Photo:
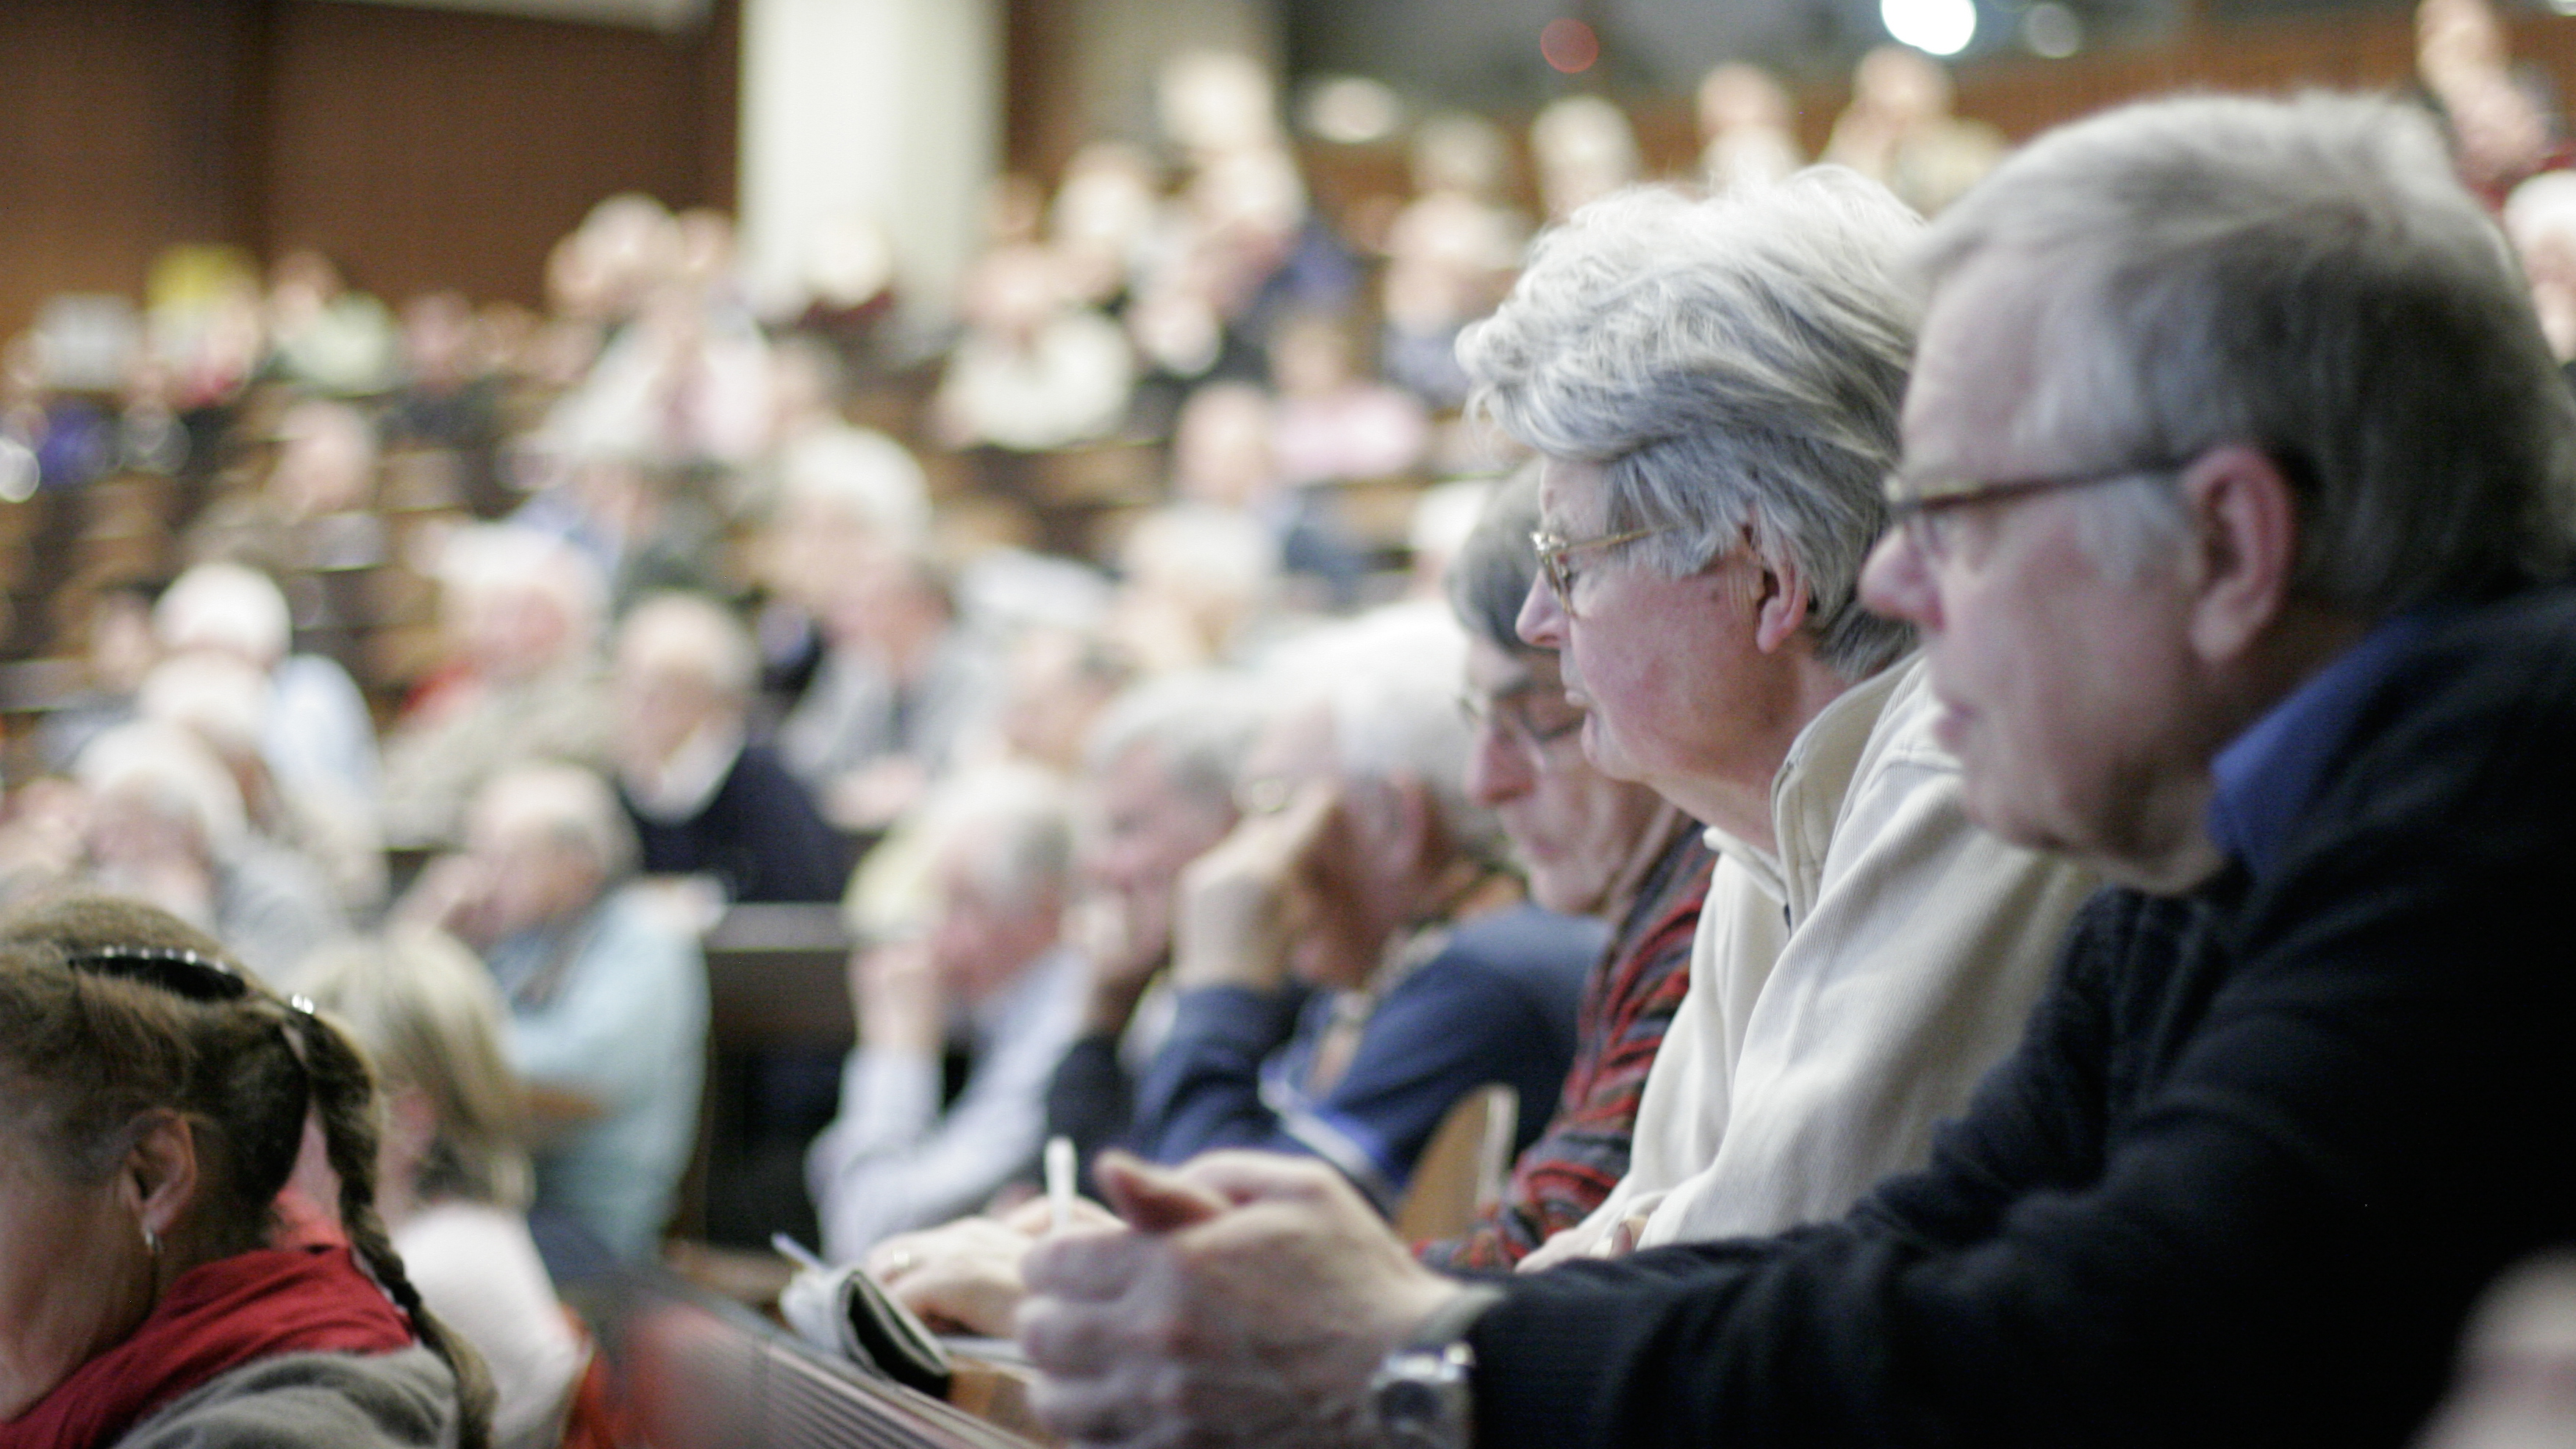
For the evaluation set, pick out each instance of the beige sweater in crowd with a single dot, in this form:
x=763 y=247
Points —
x=1846 y=992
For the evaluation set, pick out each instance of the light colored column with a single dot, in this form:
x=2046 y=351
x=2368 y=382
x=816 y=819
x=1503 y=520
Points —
x=888 y=108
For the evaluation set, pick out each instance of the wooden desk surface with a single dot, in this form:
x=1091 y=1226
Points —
x=701 y=1373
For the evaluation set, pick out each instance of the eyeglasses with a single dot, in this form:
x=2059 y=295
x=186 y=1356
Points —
x=1508 y=712
x=1554 y=547
x=179 y=972
x=1928 y=513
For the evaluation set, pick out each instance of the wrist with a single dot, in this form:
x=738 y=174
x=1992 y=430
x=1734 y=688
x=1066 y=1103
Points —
x=1423 y=1393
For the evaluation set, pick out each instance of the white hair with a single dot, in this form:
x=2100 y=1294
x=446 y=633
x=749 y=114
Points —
x=223 y=699
x=693 y=636
x=225 y=606
x=1198 y=723
x=859 y=474
x=171 y=771
x=1735 y=366
x=485 y=559
x=570 y=804
x=1389 y=680
x=1011 y=825
x=2307 y=277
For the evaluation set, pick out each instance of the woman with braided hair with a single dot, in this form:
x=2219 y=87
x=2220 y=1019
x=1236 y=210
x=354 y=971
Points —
x=152 y=1100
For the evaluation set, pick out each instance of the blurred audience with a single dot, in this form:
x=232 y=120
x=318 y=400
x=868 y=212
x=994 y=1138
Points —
x=452 y=1173
x=164 y=822
x=522 y=614
x=607 y=994
x=989 y=984
x=704 y=800
x=1349 y=962
x=901 y=685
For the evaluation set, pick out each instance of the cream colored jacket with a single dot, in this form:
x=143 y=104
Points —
x=1847 y=992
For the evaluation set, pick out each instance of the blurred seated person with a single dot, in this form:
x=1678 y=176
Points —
x=165 y=824
x=323 y=334
x=224 y=703
x=143 y=1301
x=607 y=997
x=1332 y=423
x=1196 y=587
x=311 y=523
x=1899 y=131
x=1589 y=845
x=1057 y=681
x=1226 y=455
x=521 y=613
x=1163 y=763
x=900 y=685
x=702 y=798
x=989 y=980
x=1746 y=131
x=117 y=649
x=1035 y=370
x=1349 y=962
x=452 y=1174
x=449 y=397
x=843 y=494
x=635 y=517
x=316 y=727
x=1585 y=149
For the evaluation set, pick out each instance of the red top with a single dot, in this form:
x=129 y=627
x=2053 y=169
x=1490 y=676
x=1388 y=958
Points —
x=214 y=1319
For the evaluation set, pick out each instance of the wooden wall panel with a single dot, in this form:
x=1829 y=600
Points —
x=420 y=148
x=123 y=127
x=429 y=148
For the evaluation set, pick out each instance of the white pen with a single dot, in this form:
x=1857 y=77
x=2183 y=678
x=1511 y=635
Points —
x=1059 y=1183
x=797 y=1253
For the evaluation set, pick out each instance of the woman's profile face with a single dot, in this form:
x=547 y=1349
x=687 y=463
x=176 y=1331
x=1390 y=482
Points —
x=75 y=1276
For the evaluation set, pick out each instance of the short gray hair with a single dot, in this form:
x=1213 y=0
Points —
x=571 y=804
x=1490 y=578
x=1389 y=681
x=1014 y=826
x=1199 y=723
x=2307 y=277
x=694 y=635
x=1736 y=367
x=225 y=606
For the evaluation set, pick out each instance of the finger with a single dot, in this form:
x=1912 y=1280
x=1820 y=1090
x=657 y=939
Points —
x=979 y=1296
x=1087 y=1265
x=1072 y=1340
x=1242 y=1177
x=1152 y=1199
x=904 y=1253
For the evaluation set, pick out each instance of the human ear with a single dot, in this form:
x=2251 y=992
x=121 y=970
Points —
x=2245 y=527
x=160 y=1171
x=1780 y=602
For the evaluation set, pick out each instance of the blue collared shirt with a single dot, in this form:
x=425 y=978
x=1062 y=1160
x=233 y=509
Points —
x=2267 y=775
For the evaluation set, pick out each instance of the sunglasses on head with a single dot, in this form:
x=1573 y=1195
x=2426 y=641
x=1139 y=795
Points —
x=182 y=972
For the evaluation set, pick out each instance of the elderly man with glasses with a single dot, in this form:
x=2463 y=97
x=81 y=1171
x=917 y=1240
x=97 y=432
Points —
x=2237 y=513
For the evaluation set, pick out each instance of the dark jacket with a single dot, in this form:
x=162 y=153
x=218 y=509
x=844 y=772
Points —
x=759 y=834
x=2259 y=1152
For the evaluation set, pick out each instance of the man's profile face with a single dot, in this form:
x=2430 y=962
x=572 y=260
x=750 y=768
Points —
x=2058 y=683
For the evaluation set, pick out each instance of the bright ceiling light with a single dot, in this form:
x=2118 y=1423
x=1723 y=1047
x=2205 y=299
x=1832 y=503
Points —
x=1935 y=27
